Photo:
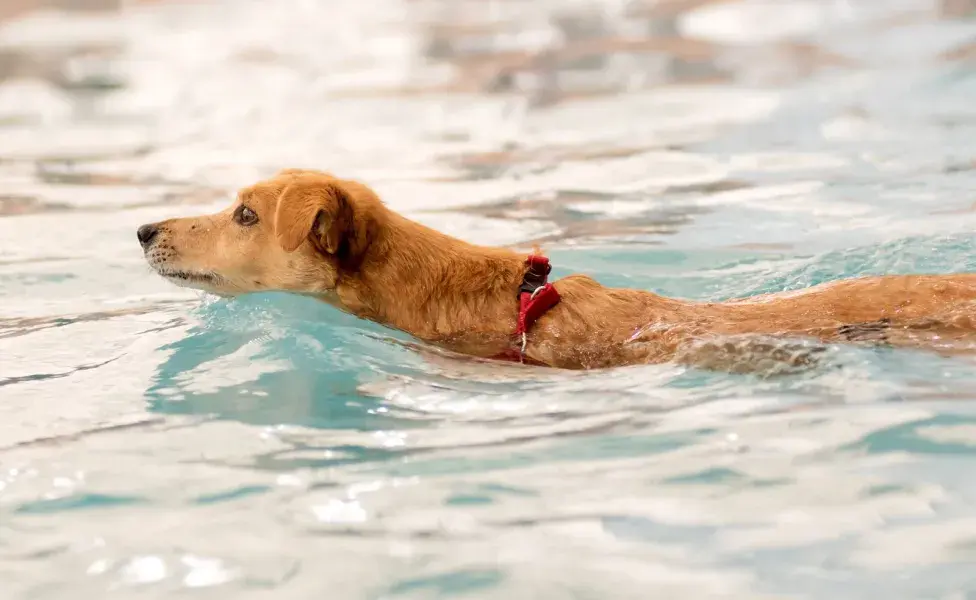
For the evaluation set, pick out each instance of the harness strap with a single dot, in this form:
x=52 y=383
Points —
x=536 y=296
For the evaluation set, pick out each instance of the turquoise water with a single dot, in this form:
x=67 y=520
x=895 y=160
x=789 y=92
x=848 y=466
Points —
x=155 y=442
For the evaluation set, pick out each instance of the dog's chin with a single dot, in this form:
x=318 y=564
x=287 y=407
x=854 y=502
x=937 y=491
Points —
x=197 y=280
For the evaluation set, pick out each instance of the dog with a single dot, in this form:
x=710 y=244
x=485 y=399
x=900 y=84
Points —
x=309 y=232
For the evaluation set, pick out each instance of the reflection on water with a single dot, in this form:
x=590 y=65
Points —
x=153 y=441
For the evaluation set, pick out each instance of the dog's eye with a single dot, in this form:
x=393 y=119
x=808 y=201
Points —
x=245 y=216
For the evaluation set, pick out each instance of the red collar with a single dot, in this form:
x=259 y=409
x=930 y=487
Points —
x=536 y=296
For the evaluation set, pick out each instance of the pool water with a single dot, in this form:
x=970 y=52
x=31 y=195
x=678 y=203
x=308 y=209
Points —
x=156 y=442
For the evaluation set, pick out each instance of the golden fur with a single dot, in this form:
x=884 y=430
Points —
x=334 y=239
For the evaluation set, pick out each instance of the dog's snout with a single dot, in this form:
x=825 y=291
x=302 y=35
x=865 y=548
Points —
x=146 y=235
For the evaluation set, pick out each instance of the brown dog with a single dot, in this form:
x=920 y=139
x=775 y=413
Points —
x=308 y=232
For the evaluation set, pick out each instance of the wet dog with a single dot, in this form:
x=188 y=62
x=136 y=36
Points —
x=311 y=233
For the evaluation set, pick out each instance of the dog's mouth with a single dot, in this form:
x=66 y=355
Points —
x=190 y=278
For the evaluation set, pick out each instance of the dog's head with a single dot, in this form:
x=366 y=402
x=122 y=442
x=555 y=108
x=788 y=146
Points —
x=294 y=232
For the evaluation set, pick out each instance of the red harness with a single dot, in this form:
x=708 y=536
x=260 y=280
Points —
x=536 y=296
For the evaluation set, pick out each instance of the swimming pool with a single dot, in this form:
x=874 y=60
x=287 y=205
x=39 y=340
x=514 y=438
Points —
x=155 y=442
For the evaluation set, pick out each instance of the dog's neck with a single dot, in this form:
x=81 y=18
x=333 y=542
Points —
x=435 y=287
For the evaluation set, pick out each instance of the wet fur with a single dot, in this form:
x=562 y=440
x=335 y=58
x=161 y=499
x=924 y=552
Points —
x=334 y=239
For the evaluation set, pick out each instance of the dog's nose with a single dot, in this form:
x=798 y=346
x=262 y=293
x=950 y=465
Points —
x=146 y=234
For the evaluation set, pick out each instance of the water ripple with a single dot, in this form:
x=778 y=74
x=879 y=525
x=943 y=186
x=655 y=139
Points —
x=155 y=442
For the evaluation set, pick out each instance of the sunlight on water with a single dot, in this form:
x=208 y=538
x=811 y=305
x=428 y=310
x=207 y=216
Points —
x=155 y=441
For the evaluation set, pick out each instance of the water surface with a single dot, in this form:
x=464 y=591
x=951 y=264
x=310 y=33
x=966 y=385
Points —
x=156 y=443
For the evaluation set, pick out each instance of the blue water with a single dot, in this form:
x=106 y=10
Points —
x=156 y=442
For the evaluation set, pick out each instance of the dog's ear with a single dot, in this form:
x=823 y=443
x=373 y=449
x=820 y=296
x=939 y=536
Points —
x=316 y=208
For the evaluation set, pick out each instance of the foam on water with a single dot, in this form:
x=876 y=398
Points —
x=155 y=441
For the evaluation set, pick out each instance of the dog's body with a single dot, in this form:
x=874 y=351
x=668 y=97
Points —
x=310 y=233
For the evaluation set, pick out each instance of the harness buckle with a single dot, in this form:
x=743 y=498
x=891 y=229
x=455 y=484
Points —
x=532 y=281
